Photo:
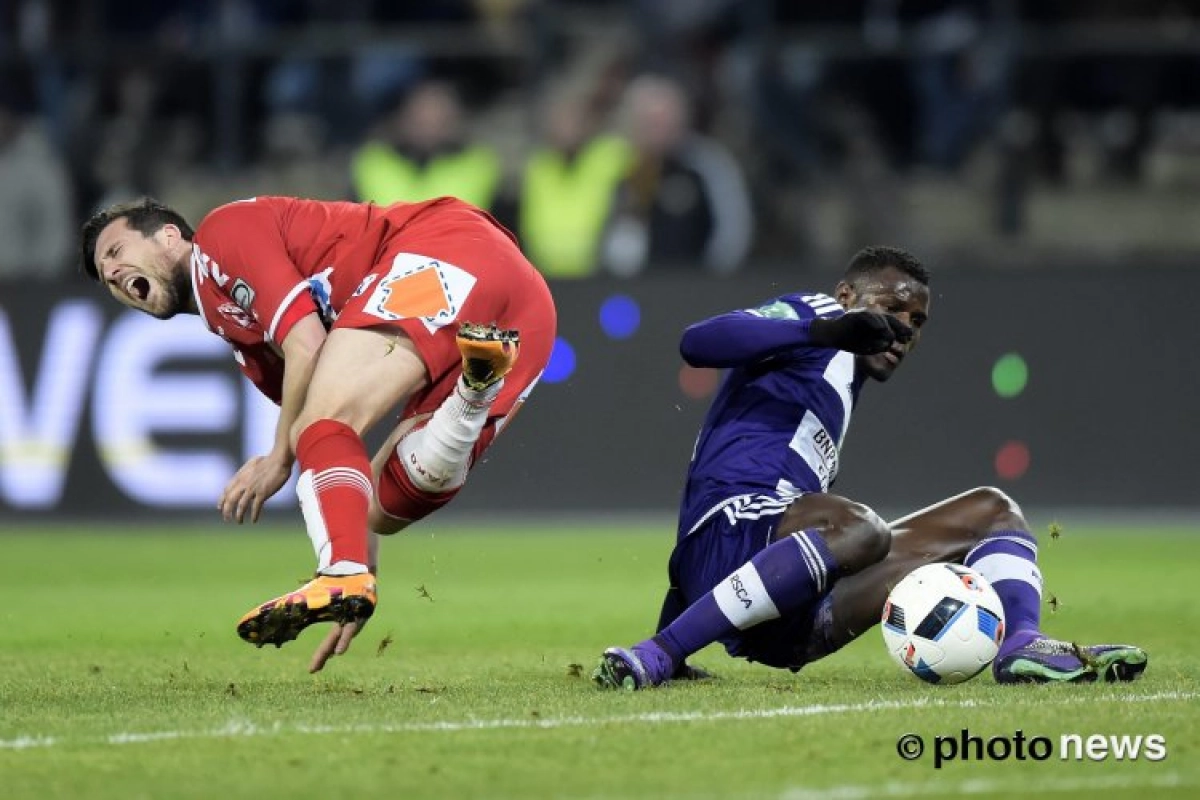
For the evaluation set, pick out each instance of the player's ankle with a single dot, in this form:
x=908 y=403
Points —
x=482 y=398
x=669 y=650
x=1015 y=640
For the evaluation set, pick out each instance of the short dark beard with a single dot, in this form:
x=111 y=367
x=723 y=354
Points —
x=178 y=292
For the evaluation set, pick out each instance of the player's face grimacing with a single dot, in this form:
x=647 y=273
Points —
x=894 y=292
x=147 y=273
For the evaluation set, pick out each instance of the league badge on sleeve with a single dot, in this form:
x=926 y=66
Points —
x=775 y=310
x=242 y=294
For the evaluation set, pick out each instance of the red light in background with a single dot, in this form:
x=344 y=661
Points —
x=1012 y=460
x=698 y=383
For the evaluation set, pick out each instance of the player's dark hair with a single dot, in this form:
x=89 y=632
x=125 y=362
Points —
x=144 y=215
x=878 y=257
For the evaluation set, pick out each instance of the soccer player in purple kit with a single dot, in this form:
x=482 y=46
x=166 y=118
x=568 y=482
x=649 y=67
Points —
x=770 y=564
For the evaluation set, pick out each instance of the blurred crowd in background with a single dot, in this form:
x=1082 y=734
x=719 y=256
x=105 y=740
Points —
x=623 y=137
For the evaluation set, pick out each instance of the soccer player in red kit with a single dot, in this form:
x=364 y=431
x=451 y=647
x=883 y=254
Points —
x=341 y=312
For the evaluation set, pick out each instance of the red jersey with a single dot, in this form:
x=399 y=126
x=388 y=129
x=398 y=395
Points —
x=261 y=265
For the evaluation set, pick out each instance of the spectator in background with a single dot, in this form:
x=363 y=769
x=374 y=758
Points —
x=705 y=43
x=180 y=173
x=35 y=199
x=115 y=154
x=959 y=68
x=296 y=161
x=420 y=151
x=568 y=187
x=684 y=199
x=293 y=161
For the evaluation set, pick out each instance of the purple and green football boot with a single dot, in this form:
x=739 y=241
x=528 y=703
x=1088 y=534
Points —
x=640 y=667
x=1044 y=660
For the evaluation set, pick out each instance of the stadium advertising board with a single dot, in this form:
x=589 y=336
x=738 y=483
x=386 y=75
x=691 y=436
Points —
x=101 y=408
x=1024 y=380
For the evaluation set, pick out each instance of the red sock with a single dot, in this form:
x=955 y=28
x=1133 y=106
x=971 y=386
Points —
x=335 y=491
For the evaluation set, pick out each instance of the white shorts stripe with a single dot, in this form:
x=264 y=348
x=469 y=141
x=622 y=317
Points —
x=752 y=513
x=744 y=506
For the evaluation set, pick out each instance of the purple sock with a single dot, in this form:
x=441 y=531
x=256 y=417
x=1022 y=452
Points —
x=1008 y=559
x=784 y=577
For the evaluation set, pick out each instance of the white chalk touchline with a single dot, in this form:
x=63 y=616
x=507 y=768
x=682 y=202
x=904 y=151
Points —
x=982 y=786
x=250 y=729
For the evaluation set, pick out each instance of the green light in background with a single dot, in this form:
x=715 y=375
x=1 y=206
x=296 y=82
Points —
x=1010 y=375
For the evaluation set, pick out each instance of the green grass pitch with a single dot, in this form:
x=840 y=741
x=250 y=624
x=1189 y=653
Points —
x=121 y=677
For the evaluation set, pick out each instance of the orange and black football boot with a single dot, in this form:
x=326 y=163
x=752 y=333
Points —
x=326 y=598
x=488 y=353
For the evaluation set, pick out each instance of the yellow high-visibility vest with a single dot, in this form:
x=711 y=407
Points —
x=565 y=205
x=384 y=176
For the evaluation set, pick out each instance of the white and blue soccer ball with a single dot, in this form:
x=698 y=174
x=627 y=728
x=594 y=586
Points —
x=943 y=623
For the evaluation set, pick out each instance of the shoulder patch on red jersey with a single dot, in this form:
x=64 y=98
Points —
x=421 y=287
x=242 y=294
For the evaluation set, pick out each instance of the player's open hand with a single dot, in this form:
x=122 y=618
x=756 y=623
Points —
x=254 y=484
x=336 y=643
x=861 y=332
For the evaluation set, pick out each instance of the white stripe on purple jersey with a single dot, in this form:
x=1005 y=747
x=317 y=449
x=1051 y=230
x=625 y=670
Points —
x=777 y=425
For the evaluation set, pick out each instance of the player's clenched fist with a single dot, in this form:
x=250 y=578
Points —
x=859 y=332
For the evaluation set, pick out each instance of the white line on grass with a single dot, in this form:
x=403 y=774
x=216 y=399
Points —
x=250 y=729
x=27 y=742
x=982 y=786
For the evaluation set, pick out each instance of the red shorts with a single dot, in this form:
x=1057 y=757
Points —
x=445 y=268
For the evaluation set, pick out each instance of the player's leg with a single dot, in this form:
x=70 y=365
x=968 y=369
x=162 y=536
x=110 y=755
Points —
x=335 y=486
x=983 y=529
x=360 y=376
x=946 y=531
x=819 y=538
x=475 y=273
x=470 y=270
x=674 y=604
x=425 y=461
x=379 y=521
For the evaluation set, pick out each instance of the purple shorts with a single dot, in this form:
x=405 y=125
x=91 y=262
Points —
x=727 y=540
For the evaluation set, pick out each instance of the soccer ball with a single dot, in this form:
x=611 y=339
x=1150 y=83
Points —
x=943 y=623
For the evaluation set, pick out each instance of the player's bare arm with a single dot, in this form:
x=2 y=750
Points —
x=261 y=477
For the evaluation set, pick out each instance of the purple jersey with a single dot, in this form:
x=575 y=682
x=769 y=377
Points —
x=776 y=427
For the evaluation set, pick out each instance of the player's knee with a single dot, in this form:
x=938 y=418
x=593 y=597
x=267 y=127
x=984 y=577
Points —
x=305 y=420
x=858 y=537
x=350 y=415
x=382 y=523
x=996 y=510
x=871 y=533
